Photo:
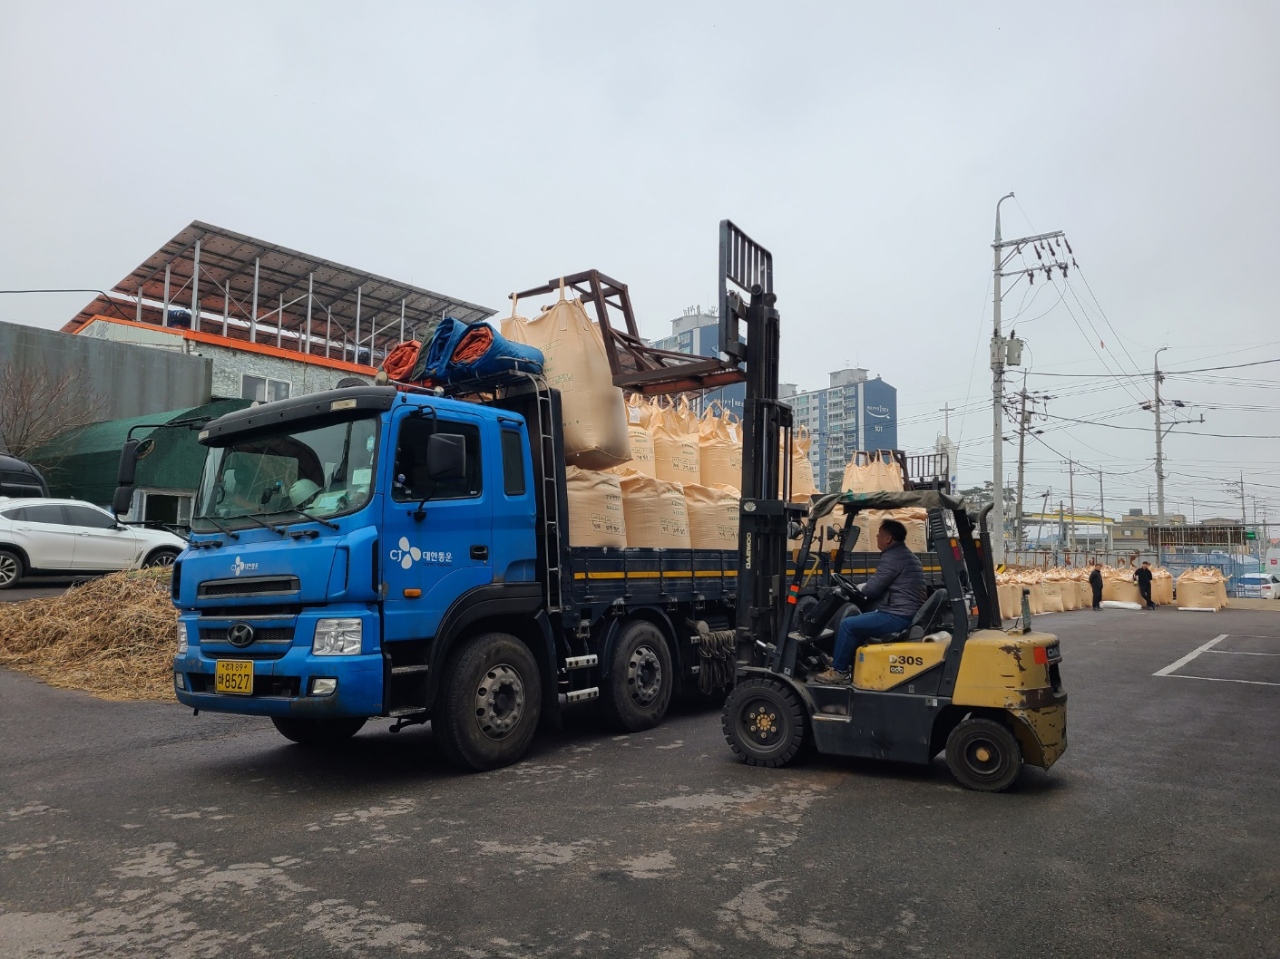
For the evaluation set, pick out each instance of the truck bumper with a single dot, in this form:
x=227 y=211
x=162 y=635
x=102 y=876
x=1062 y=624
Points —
x=285 y=686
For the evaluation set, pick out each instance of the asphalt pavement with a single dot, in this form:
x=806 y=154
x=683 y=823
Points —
x=138 y=830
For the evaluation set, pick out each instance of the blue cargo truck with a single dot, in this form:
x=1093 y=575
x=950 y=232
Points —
x=378 y=551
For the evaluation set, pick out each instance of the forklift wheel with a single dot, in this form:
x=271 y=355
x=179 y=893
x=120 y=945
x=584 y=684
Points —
x=764 y=722
x=984 y=755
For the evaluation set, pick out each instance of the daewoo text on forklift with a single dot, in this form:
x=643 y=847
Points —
x=954 y=681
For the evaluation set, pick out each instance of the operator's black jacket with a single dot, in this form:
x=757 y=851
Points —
x=1095 y=579
x=898 y=582
x=1142 y=577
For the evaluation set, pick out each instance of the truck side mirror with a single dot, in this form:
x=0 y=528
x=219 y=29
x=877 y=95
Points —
x=128 y=463
x=446 y=456
x=122 y=500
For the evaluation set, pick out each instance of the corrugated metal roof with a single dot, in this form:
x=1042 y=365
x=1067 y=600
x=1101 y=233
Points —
x=226 y=284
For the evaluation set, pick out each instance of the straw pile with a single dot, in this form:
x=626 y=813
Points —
x=113 y=637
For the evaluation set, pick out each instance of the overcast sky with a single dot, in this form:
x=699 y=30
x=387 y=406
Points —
x=478 y=148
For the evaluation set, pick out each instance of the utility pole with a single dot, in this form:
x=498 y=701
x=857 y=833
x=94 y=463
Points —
x=1157 y=377
x=1159 y=439
x=1071 y=494
x=1102 y=514
x=1009 y=351
x=1244 y=519
x=1022 y=447
x=946 y=419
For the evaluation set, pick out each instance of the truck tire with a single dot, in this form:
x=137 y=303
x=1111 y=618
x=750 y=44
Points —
x=764 y=722
x=10 y=569
x=638 y=690
x=489 y=703
x=984 y=755
x=318 y=732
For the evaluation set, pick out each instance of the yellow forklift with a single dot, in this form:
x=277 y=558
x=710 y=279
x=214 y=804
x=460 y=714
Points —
x=954 y=681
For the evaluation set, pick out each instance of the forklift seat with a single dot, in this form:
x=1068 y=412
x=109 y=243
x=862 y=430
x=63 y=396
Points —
x=922 y=623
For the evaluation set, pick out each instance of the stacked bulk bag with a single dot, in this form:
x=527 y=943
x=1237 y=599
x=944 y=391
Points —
x=1118 y=586
x=1051 y=596
x=576 y=364
x=1202 y=588
x=640 y=415
x=596 y=516
x=913 y=518
x=713 y=516
x=870 y=472
x=1162 y=586
x=657 y=516
x=676 y=451
x=719 y=449
x=802 y=484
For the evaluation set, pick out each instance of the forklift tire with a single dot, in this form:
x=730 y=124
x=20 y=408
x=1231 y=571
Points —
x=764 y=722
x=489 y=703
x=638 y=691
x=318 y=732
x=984 y=755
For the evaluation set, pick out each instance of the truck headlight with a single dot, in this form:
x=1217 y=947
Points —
x=337 y=637
x=182 y=637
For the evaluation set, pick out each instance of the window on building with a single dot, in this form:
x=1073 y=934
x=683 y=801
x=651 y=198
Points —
x=263 y=389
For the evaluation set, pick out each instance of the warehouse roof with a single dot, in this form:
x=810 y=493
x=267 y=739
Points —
x=351 y=310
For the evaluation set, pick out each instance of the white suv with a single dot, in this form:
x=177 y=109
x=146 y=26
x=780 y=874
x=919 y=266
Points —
x=1258 y=586
x=50 y=536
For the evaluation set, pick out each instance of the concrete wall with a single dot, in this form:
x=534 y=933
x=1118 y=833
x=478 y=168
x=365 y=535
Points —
x=230 y=364
x=127 y=380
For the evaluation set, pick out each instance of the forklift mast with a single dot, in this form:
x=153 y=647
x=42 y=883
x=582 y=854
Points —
x=746 y=270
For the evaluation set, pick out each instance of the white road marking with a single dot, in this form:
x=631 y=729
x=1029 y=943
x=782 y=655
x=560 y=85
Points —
x=1190 y=656
x=1238 y=652
x=1218 y=679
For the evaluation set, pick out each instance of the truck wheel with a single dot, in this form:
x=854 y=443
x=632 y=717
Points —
x=10 y=569
x=764 y=722
x=318 y=732
x=640 y=678
x=489 y=703
x=984 y=755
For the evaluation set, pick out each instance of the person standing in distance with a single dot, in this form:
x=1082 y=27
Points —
x=1095 y=584
x=898 y=589
x=1142 y=576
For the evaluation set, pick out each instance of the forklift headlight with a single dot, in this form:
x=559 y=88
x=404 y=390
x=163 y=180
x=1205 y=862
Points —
x=337 y=637
x=182 y=637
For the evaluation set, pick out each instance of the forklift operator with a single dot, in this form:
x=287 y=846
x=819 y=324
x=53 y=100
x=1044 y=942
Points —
x=898 y=589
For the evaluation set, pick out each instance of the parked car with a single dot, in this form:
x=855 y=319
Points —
x=50 y=536
x=1258 y=586
x=20 y=478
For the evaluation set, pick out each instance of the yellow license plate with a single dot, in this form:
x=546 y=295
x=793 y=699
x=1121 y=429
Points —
x=234 y=676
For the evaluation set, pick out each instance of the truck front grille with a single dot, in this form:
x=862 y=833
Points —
x=248 y=586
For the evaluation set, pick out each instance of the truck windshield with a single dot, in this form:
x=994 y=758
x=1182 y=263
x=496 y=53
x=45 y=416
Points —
x=324 y=470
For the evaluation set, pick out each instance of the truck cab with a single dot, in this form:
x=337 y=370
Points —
x=328 y=527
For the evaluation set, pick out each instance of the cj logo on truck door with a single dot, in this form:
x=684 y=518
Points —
x=406 y=555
